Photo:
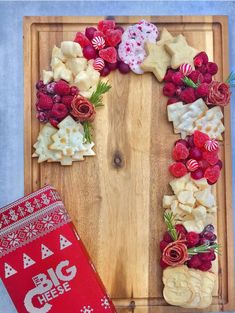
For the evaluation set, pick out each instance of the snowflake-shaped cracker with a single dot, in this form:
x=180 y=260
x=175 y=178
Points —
x=86 y=309
x=105 y=303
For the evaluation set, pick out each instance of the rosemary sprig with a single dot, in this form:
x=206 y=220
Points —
x=169 y=220
x=96 y=98
x=204 y=249
x=87 y=126
x=190 y=83
x=231 y=79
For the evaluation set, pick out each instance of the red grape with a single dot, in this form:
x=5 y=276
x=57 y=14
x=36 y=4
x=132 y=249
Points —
x=195 y=153
x=198 y=174
x=89 y=32
x=105 y=71
x=191 y=141
x=123 y=67
x=209 y=235
x=89 y=52
x=220 y=163
x=112 y=66
x=210 y=228
x=119 y=28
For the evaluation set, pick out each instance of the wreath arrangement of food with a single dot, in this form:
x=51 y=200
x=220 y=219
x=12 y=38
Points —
x=69 y=95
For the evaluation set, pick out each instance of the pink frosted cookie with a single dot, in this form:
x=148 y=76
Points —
x=131 y=50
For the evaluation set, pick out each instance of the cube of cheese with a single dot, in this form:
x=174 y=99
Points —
x=186 y=208
x=201 y=183
x=87 y=93
x=175 y=208
x=199 y=213
x=190 y=186
x=61 y=72
x=205 y=198
x=192 y=225
x=47 y=76
x=186 y=197
x=57 y=53
x=82 y=81
x=178 y=184
x=56 y=62
x=71 y=49
x=167 y=201
x=76 y=65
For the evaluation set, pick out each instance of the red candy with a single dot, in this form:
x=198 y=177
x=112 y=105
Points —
x=192 y=165
x=200 y=138
x=109 y=54
x=104 y=25
x=210 y=157
x=178 y=169
x=180 y=152
x=82 y=40
x=98 y=42
x=212 y=174
x=113 y=37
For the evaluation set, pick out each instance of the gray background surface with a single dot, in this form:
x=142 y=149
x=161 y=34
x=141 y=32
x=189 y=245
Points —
x=11 y=74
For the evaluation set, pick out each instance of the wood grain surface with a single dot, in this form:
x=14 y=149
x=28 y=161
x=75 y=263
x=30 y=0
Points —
x=115 y=198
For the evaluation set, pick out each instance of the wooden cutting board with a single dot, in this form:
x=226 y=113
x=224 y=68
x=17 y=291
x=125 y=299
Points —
x=115 y=198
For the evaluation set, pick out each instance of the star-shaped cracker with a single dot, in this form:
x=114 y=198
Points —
x=180 y=51
x=158 y=60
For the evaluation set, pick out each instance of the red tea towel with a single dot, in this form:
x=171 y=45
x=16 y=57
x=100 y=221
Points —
x=43 y=263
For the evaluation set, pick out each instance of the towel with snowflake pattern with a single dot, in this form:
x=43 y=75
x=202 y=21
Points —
x=43 y=263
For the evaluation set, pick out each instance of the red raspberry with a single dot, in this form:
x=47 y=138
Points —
x=205 y=266
x=177 y=78
x=163 y=264
x=188 y=95
x=73 y=91
x=42 y=117
x=82 y=40
x=67 y=101
x=192 y=239
x=198 y=61
x=62 y=88
x=202 y=90
x=172 y=100
x=202 y=69
x=45 y=102
x=179 y=90
x=180 y=229
x=200 y=138
x=180 y=152
x=196 y=77
x=168 y=76
x=207 y=78
x=212 y=68
x=54 y=122
x=104 y=25
x=167 y=237
x=178 y=169
x=212 y=174
x=59 y=111
x=203 y=164
x=203 y=56
x=99 y=33
x=194 y=262
x=220 y=164
x=208 y=256
x=163 y=245
x=210 y=157
x=169 y=89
